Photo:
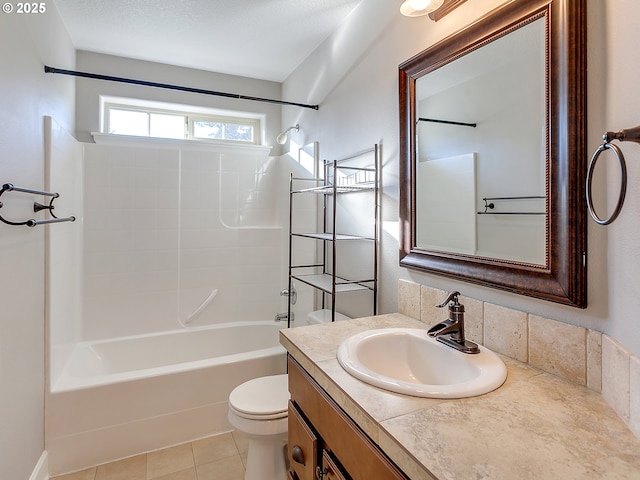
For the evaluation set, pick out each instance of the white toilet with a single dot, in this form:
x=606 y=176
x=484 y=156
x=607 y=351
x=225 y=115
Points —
x=258 y=409
x=324 y=316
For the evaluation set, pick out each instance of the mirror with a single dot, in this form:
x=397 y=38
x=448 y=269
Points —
x=492 y=127
x=481 y=151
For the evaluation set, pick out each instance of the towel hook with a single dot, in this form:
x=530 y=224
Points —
x=627 y=135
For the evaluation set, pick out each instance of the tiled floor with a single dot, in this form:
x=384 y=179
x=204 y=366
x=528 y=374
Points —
x=222 y=457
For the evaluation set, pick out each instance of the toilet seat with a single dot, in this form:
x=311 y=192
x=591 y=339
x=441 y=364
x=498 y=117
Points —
x=264 y=398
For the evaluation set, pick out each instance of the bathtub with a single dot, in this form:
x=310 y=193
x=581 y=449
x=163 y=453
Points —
x=120 y=397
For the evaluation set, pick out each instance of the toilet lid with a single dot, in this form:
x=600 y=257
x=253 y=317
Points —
x=261 y=396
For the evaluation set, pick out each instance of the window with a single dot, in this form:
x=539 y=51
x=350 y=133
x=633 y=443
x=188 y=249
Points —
x=232 y=130
x=139 y=120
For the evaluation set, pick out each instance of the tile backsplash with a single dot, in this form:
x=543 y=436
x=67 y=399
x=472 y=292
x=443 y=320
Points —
x=580 y=355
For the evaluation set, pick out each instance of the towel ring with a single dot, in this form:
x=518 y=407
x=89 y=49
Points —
x=623 y=181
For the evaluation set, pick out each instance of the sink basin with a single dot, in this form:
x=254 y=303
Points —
x=408 y=361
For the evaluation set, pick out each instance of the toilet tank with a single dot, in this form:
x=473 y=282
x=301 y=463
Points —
x=324 y=316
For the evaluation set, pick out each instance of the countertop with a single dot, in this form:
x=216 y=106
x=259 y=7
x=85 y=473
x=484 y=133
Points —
x=536 y=426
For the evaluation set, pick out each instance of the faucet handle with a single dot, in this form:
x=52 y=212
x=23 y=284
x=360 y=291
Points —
x=453 y=296
x=293 y=294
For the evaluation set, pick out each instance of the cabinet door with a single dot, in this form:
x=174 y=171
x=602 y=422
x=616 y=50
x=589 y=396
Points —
x=302 y=448
x=357 y=454
x=329 y=469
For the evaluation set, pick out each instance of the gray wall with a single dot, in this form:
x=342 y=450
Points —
x=89 y=91
x=355 y=82
x=27 y=94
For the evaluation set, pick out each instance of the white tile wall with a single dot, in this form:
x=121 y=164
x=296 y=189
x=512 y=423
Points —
x=248 y=191
x=131 y=261
x=164 y=228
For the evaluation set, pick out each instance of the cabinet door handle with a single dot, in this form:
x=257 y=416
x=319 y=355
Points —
x=298 y=455
x=320 y=473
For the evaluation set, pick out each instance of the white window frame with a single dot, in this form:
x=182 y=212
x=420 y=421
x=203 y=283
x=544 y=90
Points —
x=190 y=114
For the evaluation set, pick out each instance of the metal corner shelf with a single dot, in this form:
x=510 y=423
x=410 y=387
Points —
x=331 y=189
x=339 y=178
x=330 y=237
x=325 y=283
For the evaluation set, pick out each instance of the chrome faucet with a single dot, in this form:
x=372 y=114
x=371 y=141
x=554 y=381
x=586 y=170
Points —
x=293 y=295
x=293 y=298
x=281 y=317
x=451 y=331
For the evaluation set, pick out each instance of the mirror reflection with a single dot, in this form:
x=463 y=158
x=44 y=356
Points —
x=481 y=151
x=515 y=83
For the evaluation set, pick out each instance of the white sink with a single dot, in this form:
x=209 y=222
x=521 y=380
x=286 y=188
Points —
x=408 y=361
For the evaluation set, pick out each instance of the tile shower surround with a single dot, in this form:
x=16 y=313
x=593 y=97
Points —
x=164 y=227
x=580 y=355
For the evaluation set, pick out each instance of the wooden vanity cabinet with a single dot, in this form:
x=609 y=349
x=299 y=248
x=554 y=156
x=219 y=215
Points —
x=324 y=443
x=330 y=469
x=302 y=446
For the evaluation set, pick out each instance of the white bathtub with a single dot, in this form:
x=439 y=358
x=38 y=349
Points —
x=117 y=398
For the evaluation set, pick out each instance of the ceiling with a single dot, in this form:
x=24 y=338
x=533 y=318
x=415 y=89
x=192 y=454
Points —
x=265 y=39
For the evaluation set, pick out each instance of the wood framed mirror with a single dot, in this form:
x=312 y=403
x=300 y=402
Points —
x=511 y=167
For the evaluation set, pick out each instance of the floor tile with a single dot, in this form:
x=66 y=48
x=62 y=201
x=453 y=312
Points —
x=242 y=441
x=244 y=456
x=210 y=449
x=169 y=460
x=220 y=457
x=230 y=468
x=188 y=474
x=133 y=468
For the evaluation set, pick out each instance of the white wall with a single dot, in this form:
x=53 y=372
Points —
x=446 y=199
x=27 y=94
x=353 y=76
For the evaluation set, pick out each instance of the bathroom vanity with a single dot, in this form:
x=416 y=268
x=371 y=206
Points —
x=535 y=426
x=326 y=443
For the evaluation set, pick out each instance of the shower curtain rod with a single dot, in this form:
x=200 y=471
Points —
x=96 y=76
x=448 y=122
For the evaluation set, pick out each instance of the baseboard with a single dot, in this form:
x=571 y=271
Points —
x=41 y=471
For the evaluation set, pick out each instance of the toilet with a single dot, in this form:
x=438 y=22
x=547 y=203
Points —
x=258 y=409
x=324 y=316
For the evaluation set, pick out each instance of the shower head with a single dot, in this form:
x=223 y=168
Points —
x=282 y=138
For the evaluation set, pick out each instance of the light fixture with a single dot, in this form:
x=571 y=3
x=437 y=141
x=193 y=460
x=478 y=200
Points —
x=417 y=8
x=282 y=138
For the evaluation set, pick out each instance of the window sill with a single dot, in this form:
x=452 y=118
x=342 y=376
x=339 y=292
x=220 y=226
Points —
x=134 y=141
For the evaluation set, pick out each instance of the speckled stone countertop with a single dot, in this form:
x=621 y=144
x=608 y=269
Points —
x=536 y=426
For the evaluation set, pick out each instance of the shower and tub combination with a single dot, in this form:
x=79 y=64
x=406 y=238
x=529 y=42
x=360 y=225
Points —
x=119 y=397
x=161 y=298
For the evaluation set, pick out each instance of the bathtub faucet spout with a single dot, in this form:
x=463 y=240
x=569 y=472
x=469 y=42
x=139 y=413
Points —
x=281 y=317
